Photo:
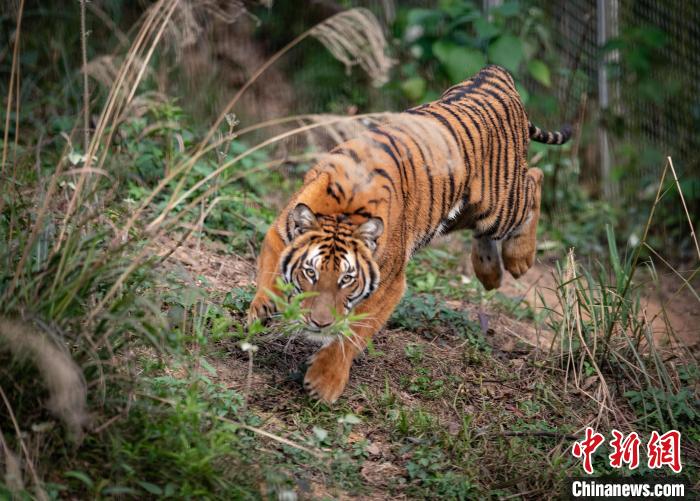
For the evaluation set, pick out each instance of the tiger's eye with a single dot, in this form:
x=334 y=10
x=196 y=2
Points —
x=346 y=280
x=310 y=273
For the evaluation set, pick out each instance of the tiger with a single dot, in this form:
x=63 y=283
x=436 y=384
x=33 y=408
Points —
x=365 y=208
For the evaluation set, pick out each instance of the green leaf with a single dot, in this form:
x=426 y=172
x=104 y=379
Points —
x=529 y=49
x=413 y=88
x=79 y=475
x=75 y=158
x=539 y=72
x=207 y=366
x=507 y=51
x=320 y=433
x=118 y=490
x=508 y=9
x=485 y=29
x=350 y=419
x=151 y=488
x=459 y=62
x=427 y=19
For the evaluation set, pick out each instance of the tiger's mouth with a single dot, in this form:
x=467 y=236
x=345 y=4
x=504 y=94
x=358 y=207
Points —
x=320 y=336
x=328 y=330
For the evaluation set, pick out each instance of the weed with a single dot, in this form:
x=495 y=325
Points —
x=428 y=315
x=414 y=352
x=84 y=287
x=432 y=471
x=81 y=257
x=603 y=327
x=656 y=407
x=238 y=299
x=424 y=384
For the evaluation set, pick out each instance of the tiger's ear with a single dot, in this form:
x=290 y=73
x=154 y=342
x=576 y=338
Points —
x=370 y=231
x=301 y=220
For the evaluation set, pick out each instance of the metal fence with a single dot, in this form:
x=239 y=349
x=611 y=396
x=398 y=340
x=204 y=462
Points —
x=643 y=94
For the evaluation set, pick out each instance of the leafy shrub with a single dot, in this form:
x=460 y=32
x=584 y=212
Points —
x=449 y=43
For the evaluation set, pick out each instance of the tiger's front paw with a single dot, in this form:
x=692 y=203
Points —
x=261 y=308
x=328 y=374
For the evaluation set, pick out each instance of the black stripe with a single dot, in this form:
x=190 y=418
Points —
x=507 y=129
x=494 y=140
x=458 y=140
x=461 y=90
x=506 y=89
x=485 y=133
x=468 y=158
x=462 y=143
x=482 y=129
x=399 y=167
x=329 y=191
x=392 y=140
x=362 y=212
x=431 y=189
x=285 y=262
x=381 y=172
x=349 y=151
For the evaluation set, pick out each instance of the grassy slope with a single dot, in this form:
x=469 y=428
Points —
x=442 y=407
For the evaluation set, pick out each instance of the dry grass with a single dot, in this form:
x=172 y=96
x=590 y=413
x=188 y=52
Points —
x=355 y=37
x=605 y=339
x=61 y=375
x=193 y=19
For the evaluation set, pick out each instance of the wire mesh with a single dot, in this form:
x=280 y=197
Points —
x=647 y=121
x=672 y=126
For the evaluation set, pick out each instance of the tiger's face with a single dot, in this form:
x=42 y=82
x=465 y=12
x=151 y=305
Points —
x=332 y=257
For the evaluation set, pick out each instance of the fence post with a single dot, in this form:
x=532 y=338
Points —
x=487 y=5
x=606 y=28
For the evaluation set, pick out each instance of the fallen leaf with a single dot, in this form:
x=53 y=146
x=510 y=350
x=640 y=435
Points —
x=355 y=437
x=380 y=473
x=373 y=449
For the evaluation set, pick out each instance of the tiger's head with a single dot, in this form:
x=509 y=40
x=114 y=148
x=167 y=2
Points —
x=331 y=256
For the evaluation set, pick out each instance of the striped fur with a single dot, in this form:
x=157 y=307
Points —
x=347 y=234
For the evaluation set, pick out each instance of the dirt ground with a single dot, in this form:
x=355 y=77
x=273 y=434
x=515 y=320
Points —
x=681 y=309
x=509 y=377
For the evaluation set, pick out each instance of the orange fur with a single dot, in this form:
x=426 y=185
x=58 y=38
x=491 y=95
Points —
x=347 y=234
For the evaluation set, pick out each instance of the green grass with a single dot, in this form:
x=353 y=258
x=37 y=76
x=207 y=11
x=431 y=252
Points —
x=107 y=273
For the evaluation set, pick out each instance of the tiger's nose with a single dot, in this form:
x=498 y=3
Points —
x=322 y=324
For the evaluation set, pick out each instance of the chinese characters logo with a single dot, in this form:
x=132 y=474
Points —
x=662 y=450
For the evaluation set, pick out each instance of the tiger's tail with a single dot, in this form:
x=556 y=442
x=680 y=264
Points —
x=549 y=137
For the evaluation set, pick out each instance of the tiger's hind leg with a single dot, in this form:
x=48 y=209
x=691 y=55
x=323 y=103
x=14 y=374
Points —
x=519 y=249
x=486 y=261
